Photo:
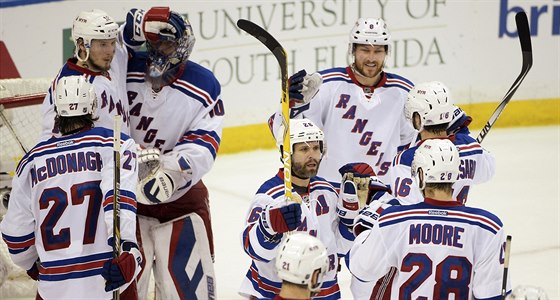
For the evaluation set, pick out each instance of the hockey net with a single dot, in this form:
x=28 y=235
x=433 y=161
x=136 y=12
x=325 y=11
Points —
x=20 y=128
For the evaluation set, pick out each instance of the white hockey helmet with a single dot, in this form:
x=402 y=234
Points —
x=301 y=131
x=90 y=25
x=74 y=96
x=369 y=31
x=299 y=256
x=527 y=292
x=432 y=101
x=438 y=160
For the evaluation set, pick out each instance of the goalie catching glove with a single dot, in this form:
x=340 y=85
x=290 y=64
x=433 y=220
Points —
x=123 y=269
x=302 y=88
x=158 y=23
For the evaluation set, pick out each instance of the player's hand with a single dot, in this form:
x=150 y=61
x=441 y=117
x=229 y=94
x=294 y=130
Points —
x=148 y=162
x=376 y=189
x=348 y=204
x=122 y=270
x=158 y=23
x=155 y=188
x=360 y=174
x=368 y=216
x=280 y=219
x=303 y=87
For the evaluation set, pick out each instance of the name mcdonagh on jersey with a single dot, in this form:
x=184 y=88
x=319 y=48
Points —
x=66 y=163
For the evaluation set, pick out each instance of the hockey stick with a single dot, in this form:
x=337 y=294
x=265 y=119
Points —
x=116 y=194
x=506 y=266
x=526 y=49
x=280 y=54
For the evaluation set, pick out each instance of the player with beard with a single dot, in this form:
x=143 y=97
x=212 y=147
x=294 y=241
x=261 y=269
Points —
x=317 y=209
x=358 y=107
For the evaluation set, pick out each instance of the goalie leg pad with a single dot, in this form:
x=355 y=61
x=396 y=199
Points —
x=184 y=267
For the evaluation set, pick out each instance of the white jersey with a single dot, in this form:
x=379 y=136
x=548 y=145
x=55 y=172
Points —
x=61 y=211
x=439 y=248
x=477 y=166
x=110 y=89
x=184 y=119
x=359 y=128
x=318 y=218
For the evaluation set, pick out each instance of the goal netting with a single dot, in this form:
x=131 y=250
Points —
x=20 y=128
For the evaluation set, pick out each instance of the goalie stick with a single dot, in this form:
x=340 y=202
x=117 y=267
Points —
x=506 y=266
x=116 y=194
x=525 y=40
x=280 y=54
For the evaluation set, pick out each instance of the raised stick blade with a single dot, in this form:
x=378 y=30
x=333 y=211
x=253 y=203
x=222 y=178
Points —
x=523 y=31
x=264 y=37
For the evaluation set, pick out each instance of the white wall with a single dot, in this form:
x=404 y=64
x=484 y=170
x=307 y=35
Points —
x=457 y=42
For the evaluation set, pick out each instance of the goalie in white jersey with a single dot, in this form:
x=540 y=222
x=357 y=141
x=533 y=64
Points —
x=439 y=246
x=59 y=223
x=358 y=107
x=176 y=116
x=101 y=56
x=320 y=212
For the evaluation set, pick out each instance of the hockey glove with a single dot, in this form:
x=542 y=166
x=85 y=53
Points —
x=376 y=189
x=148 y=162
x=153 y=25
x=281 y=219
x=155 y=188
x=368 y=216
x=123 y=269
x=33 y=272
x=348 y=204
x=302 y=88
x=360 y=173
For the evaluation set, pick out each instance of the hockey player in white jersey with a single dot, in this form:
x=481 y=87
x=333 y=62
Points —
x=102 y=57
x=359 y=107
x=320 y=212
x=176 y=116
x=430 y=109
x=59 y=223
x=301 y=263
x=440 y=247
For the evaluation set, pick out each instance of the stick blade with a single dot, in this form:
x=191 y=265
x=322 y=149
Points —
x=523 y=31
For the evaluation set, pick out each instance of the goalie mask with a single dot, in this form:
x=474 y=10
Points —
x=438 y=162
x=432 y=101
x=90 y=25
x=369 y=31
x=74 y=96
x=166 y=54
x=299 y=257
x=301 y=131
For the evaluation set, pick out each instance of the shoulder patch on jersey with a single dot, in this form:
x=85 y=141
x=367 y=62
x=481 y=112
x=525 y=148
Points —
x=394 y=80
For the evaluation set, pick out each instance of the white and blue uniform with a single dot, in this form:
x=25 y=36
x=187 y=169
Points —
x=359 y=127
x=318 y=218
x=439 y=248
x=61 y=211
x=184 y=121
x=477 y=166
x=110 y=89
